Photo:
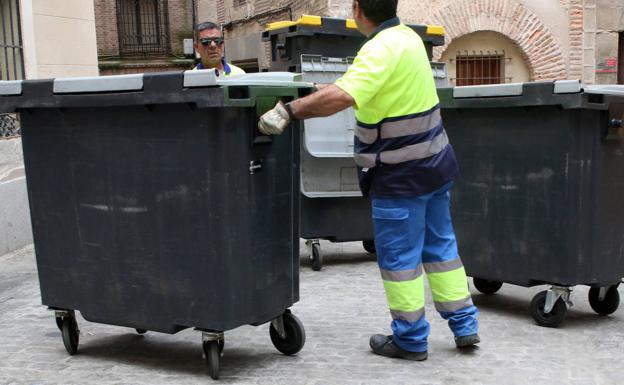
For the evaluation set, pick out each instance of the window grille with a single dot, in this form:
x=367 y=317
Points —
x=11 y=59
x=9 y=126
x=475 y=69
x=143 y=27
x=11 y=53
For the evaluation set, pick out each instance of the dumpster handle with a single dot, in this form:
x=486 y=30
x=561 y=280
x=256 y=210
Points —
x=615 y=130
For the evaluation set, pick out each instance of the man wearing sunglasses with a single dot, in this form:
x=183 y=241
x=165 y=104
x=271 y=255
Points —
x=407 y=166
x=209 y=43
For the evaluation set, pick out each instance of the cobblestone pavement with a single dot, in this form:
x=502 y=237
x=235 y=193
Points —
x=340 y=307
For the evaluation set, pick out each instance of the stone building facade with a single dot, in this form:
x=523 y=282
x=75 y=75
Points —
x=143 y=35
x=532 y=40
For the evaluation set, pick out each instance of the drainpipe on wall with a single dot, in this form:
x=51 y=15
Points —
x=194 y=5
x=258 y=16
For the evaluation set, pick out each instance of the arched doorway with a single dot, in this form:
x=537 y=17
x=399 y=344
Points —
x=512 y=19
x=485 y=57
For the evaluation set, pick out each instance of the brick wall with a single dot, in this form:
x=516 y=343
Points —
x=106 y=27
x=206 y=10
x=180 y=26
x=180 y=23
x=180 y=13
x=540 y=48
x=558 y=40
x=576 y=12
x=608 y=23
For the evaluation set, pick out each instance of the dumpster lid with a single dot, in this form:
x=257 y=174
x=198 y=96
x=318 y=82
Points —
x=200 y=78
x=615 y=90
x=265 y=79
x=149 y=89
x=332 y=136
x=515 y=89
x=10 y=87
x=568 y=94
x=484 y=91
x=568 y=86
x=115 y=83
x=210 y=78
x=518 y=89
x=303 y=20
x=430 y=33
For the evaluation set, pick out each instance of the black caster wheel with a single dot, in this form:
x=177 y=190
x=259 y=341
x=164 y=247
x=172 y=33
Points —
x=552 y=319
x=610 y=302
x=295 y=335
x=71 y=335
x=316 y=257
x=485 y=286
x=141 y=331
x=369 y=246
x=59 y=323
x=213 y=358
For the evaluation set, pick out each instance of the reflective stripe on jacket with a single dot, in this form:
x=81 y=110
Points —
x=401 y=146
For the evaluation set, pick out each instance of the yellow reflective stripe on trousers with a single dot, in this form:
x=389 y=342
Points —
x=412 y=152
x=405 y=296
x=449 y=286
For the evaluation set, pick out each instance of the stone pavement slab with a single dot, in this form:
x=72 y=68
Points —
x=340 y=307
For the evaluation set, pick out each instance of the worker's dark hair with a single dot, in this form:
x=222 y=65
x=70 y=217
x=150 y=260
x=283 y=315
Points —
x=204 y=26
x=379 y=11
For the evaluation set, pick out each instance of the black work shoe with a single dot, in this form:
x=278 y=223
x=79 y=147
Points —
x=467 y=341
x=385 y=346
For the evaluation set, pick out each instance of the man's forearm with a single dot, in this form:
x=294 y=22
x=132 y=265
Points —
x=325 y=102
x=320 y=86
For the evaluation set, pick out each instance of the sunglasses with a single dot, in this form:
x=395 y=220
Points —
x=208 y=40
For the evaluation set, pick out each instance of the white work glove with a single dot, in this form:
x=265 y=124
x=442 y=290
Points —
x=274 y=121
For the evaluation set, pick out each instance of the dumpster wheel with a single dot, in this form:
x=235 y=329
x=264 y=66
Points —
x=316 y=257
x=292 y=338
x=369 y=246
x=70 y=334
x=213 y=358
x=554 y=317
x=604 y=300
x=486 y=287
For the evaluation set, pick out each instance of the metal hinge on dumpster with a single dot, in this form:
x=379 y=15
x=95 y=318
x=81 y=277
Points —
x=255 y=166
x=615 y=131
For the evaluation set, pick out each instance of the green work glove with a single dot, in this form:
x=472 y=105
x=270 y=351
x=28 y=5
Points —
x=274 y=121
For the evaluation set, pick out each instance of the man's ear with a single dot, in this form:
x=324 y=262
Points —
x=356 y=9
